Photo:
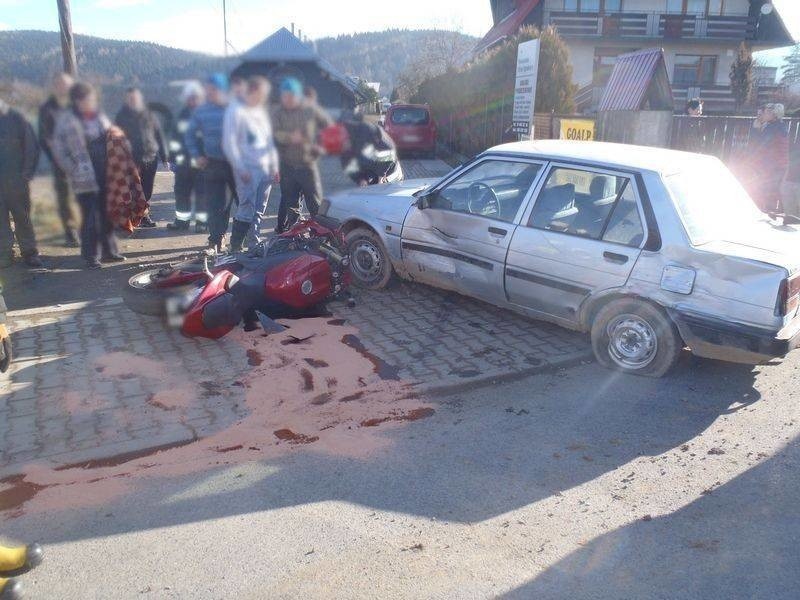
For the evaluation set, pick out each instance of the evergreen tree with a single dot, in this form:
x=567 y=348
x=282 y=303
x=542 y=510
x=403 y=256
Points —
x=742 y=76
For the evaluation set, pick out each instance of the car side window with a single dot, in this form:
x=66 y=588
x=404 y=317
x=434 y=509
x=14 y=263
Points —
x=578 y=202
x=625 y=226
x=493 y=188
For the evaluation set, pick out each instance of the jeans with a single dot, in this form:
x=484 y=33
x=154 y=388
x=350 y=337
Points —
x=97 y=233
x=217 y=181
x=15 y=203
x=253 y=198
x=297 y=180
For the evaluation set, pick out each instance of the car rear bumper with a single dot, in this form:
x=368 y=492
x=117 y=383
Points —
x=423 y=146
x=722 y=340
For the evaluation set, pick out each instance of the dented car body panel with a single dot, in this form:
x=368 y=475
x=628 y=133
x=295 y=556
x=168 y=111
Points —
x=691 y=243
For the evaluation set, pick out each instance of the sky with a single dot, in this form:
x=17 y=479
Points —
x=197 y=24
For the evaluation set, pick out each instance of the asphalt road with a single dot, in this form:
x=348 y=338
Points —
x=572 y=484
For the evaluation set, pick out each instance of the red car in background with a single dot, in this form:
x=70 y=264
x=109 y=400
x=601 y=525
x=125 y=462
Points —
x=412 y=128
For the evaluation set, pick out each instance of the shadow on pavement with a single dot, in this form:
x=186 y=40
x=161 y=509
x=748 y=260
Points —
x=467 y=463
x=740 y=541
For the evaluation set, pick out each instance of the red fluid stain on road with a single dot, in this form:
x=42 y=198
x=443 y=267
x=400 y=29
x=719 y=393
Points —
x=287 y=435
x=414 y=415
x=284 y=414
x=254 y=358
x=383 y=369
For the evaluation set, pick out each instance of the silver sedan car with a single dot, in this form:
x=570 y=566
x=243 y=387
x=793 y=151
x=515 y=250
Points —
x=648 y=250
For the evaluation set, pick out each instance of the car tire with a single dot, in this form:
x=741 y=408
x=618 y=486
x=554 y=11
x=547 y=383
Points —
x=143 y=299
x=369 y=261
x=635 y=337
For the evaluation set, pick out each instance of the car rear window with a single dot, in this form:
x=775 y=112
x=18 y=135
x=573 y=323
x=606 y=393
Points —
x=712 y=203
x=410 y=116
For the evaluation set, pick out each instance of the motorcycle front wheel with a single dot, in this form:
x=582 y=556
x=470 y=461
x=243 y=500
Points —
x=141 y=296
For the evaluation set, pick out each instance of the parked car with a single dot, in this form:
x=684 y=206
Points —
x=649 y=250
x=412 y=128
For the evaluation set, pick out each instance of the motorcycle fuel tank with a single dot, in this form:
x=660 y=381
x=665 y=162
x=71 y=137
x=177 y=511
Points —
x=300 y=282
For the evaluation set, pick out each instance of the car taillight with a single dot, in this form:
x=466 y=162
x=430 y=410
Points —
x=789 y=296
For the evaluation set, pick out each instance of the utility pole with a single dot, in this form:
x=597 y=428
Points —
x=67 y=41
x=225 y=24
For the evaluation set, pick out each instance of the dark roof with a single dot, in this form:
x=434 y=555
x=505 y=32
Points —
x=284 y=46
x=508 y=26
x=638 y=79
x=281 y=46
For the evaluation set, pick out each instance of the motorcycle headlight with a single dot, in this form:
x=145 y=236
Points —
x=179 y=305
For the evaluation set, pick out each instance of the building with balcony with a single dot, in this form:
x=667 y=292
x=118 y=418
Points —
x=700 y=39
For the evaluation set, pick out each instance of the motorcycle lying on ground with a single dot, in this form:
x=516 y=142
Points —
x=6 y=353
x=292 y=275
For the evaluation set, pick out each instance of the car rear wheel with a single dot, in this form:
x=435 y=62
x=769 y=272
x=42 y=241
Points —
x=369 y=260
x=635 y=337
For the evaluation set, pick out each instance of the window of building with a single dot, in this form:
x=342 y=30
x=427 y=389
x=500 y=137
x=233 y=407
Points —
x=694 y=70
x=593 y=6
x=688 y=7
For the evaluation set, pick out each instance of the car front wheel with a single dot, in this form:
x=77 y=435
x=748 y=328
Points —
x=635 y=337
x=369 y=260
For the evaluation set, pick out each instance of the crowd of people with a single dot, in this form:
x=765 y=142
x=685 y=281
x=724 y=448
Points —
x=231 y=147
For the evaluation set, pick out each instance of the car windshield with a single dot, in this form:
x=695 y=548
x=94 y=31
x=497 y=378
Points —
x=712 y=203
x=410 y=116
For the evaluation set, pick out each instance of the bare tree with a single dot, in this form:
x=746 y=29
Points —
x=443 y=52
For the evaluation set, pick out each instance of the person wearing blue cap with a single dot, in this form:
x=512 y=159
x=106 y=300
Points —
x=204 y=145
x=296 y=124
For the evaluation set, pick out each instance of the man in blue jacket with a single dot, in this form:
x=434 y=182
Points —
x=204 y=145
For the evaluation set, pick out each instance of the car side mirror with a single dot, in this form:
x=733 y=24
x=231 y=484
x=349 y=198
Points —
x=424 y=199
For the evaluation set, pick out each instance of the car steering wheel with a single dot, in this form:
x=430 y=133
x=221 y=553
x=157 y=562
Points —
x=481 y=200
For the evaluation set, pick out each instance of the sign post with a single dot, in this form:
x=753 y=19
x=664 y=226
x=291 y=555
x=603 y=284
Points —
x=525 y=88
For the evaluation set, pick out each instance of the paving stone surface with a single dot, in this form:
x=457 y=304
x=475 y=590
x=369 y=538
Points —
x=60 y=401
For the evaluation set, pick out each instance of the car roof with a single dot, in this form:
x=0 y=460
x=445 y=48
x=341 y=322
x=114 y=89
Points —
x=642 y=158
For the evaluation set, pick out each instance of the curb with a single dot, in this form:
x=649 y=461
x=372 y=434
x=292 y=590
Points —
x=571 y=360
x=61 y=308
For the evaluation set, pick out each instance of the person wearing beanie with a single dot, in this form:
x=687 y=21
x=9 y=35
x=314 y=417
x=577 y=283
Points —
x=204 y=144
x=296 y=124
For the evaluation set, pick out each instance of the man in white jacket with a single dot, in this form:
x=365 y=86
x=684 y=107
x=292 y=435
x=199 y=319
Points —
x=250 y=148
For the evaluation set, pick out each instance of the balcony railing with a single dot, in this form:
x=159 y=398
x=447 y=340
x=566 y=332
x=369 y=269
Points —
x=653 y=25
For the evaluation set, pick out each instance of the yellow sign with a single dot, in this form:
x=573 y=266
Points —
x=577 y=129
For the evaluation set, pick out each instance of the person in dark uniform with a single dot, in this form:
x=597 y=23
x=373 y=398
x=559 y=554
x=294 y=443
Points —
x=143 y=130
x=58 y=101
x=187 y=179
x=19 y=156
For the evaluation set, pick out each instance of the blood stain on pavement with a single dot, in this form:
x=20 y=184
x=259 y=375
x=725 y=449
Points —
x=287 y=435
x=254 y=358
x=308 y=380
x=317 y=364
x=383 y=369
x=414 y=415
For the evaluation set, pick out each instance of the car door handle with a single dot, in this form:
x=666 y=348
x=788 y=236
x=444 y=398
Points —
x=447 y=235
x=498 y=231
x=619 y=259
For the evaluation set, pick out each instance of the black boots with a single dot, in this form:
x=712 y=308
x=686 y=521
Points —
x=238 y=233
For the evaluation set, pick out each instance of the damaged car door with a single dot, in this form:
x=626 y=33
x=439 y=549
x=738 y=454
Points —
x=583 y=234
x=457 y=235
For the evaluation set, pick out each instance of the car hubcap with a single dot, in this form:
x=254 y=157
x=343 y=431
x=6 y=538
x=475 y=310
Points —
x=367 y=261
x=632 y=342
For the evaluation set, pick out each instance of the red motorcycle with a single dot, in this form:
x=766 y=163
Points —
x=293 y=275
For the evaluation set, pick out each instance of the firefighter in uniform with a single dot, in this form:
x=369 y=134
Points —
x=187 y=179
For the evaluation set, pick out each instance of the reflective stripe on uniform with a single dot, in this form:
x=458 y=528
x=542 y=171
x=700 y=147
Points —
x=201 y=217
x=183 y=216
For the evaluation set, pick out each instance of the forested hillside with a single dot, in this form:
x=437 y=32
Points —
x=384 y=55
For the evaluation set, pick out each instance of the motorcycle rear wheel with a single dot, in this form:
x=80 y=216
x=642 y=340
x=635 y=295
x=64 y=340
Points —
x=143 y=298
